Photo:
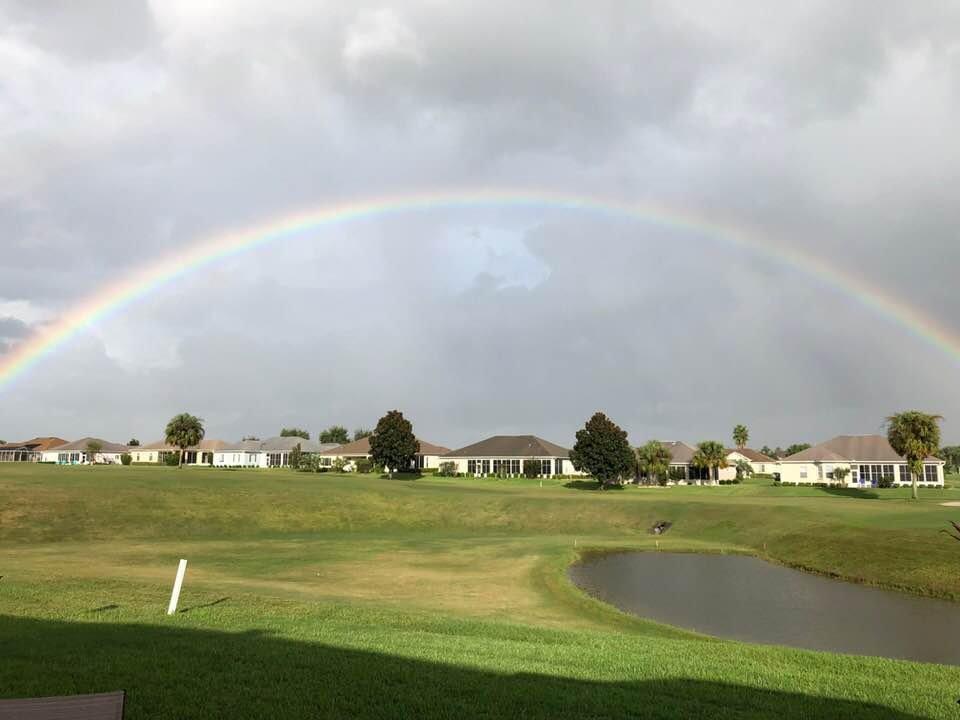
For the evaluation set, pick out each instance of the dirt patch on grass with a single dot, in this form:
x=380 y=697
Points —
x=952 y=503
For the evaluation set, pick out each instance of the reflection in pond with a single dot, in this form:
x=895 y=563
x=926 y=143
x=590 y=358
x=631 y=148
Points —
x=744 y=598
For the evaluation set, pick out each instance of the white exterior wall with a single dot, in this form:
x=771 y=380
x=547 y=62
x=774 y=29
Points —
x=461 y=464
x=239 y=458
x=817 y=472
x=757 y=467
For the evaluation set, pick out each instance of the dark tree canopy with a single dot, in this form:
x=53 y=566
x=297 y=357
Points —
x=710 y=455
x=393 y=444
x=951 y=454
x=602 y=451
x=335 y=434
x=133 y=443
x=183 y=431
x=361 y=433
x=916 y=436
x=295 y=432
x=795 y=448
x=653 y=461
x=532 y=467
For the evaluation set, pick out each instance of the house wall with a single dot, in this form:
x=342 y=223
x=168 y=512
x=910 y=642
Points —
x=757 y=467
x=462 y=464
x=814 y=472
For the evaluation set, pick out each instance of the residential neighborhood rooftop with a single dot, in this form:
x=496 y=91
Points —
x=523 y=446
x=851 y=448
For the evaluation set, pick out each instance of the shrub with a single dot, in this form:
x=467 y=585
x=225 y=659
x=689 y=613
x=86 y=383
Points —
x=172 y=459
x=428 y=471
x=338 y=464
x=885 y=481
x=363 y=465
x=448 y=469
x=531 y=468
x=126 y=459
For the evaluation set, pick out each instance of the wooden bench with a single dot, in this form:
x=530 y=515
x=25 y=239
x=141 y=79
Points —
x=100 y=706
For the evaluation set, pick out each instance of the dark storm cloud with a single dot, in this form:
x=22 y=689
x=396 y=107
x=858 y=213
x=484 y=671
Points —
x=131 y=129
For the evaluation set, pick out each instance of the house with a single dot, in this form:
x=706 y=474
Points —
x=759 y=462
x=156 y=452
x=75 y=453
x=272 y=452
x=28 y=450
x=428 y=457
x=681 y=461
x=504 y=455
x=867 y=458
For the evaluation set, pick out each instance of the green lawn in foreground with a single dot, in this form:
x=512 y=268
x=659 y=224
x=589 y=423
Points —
x=334 y=596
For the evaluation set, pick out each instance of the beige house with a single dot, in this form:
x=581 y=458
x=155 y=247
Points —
x=681 y=460
x=869 y=459
x=759 y=462
x=504 y=455
x=28 y=450
x=200 y=454
x=428 y=457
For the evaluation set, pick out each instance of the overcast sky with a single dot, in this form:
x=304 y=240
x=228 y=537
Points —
x=129 y=130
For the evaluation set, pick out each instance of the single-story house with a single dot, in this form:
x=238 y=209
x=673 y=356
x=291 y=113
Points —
x=428 y=457
x=868 y=458
x=156 y=452
x=681 y=458
x=272 y=452
x=75 y=453
x=759 y=462
x=28 y=450
x=504 y=455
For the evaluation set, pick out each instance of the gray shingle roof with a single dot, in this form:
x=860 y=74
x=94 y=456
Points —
x=524 y=446
x=847 y=448
x=680 y=452
x=81 y=446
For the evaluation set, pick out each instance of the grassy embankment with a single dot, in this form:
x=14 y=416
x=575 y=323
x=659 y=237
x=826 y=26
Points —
x=326 y=596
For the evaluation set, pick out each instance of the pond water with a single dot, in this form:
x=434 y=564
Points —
x=744 y=598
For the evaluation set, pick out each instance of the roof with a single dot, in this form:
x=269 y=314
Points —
x=362 y=447
x=276 y=444
x=751 y=455
x=81 y=446
x=511 y=446
x=852 y=448
x=207 y=444
x=37 y=444
x=680 y=452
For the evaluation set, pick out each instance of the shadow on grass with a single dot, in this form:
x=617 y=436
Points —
x=591 y=485
x=205 y=605
x=176 y=673
x=860 y=493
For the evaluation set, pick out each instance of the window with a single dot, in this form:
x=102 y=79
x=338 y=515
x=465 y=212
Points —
x=930 y=473
x=472 y=467
x=905 y=474
x=888 y=473
x=485 y=467
x=544 y=467
x=496 y=467
x=515 y=467
x=558 y=465
x=803 y=472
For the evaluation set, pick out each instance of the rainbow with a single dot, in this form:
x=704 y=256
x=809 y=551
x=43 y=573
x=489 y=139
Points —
x=115 y=297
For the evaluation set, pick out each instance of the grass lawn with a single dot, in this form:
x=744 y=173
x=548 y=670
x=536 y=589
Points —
x=346 y=596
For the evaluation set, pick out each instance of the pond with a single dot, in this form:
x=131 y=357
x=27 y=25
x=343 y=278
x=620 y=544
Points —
x=744 y=598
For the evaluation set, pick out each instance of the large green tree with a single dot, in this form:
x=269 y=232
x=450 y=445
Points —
x=602 y=451
x=295 y=432
x=653 y=460
x=133 y=443
x=951 y=454
x=334 y=434
x=183 y=431
x=710 y=456
x=393 y=444
x=916 y=436
x=741 y=436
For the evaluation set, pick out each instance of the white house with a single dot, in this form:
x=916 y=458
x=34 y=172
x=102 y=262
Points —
x=868 y=459
x=75 y=453
x=272 y=452
x=428 y=457
x=156 y=452
x=504 y=454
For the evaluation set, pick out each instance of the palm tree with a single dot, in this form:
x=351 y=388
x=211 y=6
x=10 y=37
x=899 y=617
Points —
x=741 y=436
x=916 y=436
x=711 y=455
x=654 y=459
x=183 y=431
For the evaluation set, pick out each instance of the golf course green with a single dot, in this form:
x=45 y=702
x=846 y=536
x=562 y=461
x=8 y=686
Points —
x=322 y=595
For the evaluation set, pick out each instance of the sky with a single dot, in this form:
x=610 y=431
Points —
x=130 y=131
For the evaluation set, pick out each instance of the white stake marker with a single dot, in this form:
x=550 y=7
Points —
x=177 y=584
